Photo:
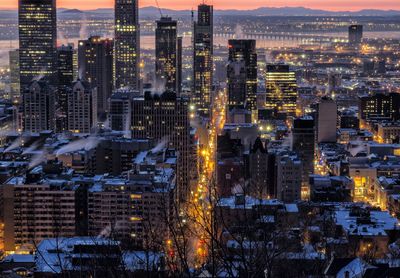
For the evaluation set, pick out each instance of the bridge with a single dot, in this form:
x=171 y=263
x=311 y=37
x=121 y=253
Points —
x=301 y=37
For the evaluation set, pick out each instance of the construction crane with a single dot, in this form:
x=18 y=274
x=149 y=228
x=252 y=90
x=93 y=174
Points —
x=159 y=9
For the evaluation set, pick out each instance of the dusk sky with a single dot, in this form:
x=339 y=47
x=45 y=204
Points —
x=336 y=5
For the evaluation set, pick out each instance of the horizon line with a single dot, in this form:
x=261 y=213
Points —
x=272 y=7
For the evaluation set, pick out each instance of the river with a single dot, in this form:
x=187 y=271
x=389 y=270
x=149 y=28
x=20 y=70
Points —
x=147 y=42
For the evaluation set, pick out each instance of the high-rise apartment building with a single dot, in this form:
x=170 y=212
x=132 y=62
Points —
x=95 y=59
x=33 y=209
x=203 y=59
x=166 y=55
x=281 y=89
x=37 y=22
x=242 y=74
x=82 y=107
x=288 y=178
x=38 y=102
x=127 y=44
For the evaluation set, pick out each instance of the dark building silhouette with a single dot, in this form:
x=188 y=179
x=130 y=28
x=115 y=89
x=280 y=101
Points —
x=65 y=74
x=37 y=21
x=242 y=74
x=303 y=143
x=95 y=59
x=258 y=170
x=355 y=34
x=127 y=44
x=203 y=59
x=380 y=105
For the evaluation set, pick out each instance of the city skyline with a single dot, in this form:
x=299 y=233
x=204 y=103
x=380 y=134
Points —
x=200 y=139
x=338 y=5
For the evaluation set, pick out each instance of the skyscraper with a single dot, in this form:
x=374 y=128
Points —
x=38 y=107
x=355 y=34
x=14 y=75
x=95 y=59
x=303 y=140
x=281 y=89
x=166 y=55
x=242 y=74
x=203 y=59
x=327 y=120
x=127 y=44
x=165 y=118
x=65 y=65
x=37 y=23
x=65 y=74
x=179 y=53
x=82 y=107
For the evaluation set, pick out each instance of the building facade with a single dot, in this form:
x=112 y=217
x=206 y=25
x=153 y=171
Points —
x=203 y=59
x=355 y=34
x=82 y=107
x=127 y=44
x=95 y=59
x=242 y=74
x=37 y=21
x=165 y=118
x=166 y=55
x=281 y=89
x=38 y=101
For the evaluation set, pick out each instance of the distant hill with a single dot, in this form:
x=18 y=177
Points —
x=153 y=12
x=71 y=11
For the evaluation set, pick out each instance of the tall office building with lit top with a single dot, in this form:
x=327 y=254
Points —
x=242 y=74
x=203 y=59
x=166 y=55
x=37 y=21
x=281 y=89
x=127 y=44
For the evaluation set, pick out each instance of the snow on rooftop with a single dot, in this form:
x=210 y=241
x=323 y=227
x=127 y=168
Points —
x=291 y=208
x=54 y=255
x=19 y=258
x=381 y=221
x=249 y=202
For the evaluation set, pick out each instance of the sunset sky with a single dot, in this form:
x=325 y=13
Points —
x=334 y=5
